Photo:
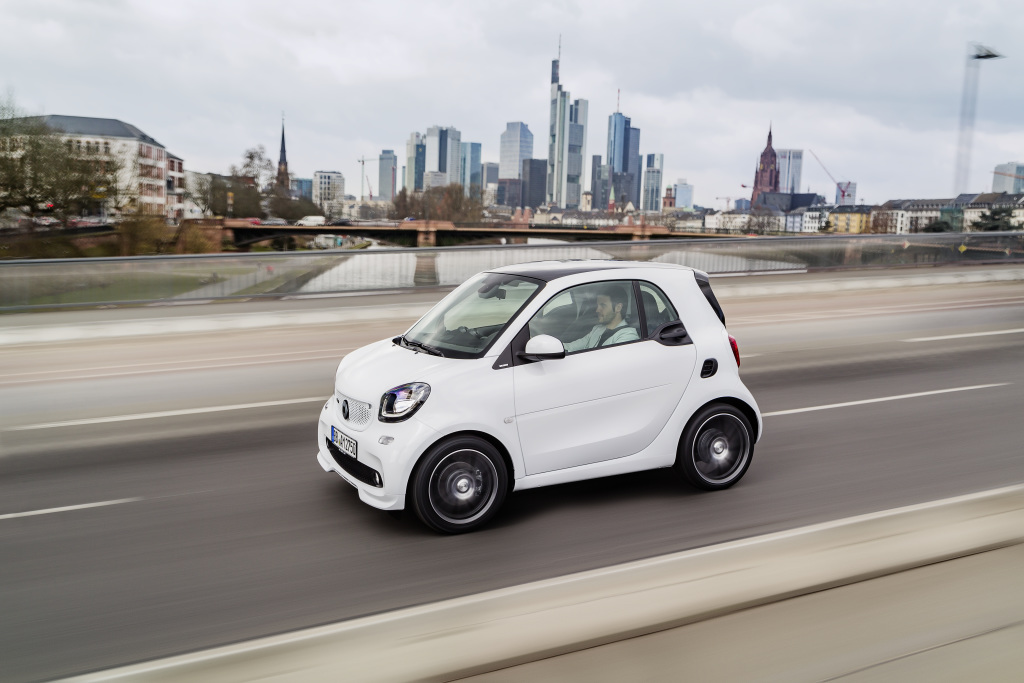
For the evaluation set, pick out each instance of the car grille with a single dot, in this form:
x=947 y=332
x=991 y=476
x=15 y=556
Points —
x=359 y=413
x=360 y=471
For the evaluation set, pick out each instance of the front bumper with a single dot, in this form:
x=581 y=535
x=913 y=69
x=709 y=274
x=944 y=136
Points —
x=390 y=464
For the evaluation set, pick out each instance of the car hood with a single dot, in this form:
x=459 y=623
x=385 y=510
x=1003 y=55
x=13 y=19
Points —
x=365 y=374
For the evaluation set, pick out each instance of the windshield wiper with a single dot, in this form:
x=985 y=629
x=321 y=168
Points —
x=420 y=345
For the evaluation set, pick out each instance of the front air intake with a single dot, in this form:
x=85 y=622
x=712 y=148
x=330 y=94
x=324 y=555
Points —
x=360 y=471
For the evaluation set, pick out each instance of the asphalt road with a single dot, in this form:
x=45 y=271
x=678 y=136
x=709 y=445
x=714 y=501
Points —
x=220 y=526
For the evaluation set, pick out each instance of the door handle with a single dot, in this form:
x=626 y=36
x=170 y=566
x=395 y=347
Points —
x=672 y=334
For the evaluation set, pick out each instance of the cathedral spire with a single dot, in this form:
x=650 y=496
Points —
x=283 y=181
x=283 y=157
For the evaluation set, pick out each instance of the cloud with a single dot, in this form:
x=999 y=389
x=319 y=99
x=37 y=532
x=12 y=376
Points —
x=872 y=87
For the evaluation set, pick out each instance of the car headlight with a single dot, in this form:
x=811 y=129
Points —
x=400 y=403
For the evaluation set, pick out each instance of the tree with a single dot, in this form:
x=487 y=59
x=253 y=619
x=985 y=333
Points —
x=448 y=203
x=938 y=226
x=40 y=171
x=255 y=165
x=199 y=191
x=997 y=219
x=293 y=209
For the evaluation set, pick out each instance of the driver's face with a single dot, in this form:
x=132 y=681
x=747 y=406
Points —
x=605 y=310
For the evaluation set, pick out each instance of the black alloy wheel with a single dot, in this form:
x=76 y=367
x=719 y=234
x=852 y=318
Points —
x=459 y=484
x=716 y=448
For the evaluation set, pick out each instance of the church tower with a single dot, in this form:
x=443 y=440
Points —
x=766 y=177
x=283 y=182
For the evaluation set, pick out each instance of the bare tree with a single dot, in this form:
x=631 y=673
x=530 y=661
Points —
x=199 y=191
x=255 y=165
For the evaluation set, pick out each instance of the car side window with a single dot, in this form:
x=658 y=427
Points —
x=594 y=315
x=658 y=309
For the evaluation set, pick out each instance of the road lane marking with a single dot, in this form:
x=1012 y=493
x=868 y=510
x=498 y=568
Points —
x=164 y=413
x=68 y=508
x=965 y=335
x=883 y=399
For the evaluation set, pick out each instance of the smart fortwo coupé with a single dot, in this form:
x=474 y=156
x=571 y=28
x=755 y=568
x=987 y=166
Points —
x=539 y=374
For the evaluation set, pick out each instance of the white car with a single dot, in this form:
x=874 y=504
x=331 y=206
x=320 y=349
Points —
x=539 y=374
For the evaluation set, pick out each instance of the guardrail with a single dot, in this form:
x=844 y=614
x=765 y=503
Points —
x=54 y=283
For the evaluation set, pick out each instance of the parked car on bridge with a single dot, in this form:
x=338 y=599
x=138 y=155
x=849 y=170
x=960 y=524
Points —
x=541 y=374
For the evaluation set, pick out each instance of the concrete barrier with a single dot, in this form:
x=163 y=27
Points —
x=490 y=631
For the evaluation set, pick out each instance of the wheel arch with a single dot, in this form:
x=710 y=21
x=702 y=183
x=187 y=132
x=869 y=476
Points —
x=489 y=438
x=738 y=403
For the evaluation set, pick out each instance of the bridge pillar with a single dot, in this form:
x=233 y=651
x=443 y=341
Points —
x=426 y=237
x=426 y=270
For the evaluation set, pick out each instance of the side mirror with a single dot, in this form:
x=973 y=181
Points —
x=542 y=347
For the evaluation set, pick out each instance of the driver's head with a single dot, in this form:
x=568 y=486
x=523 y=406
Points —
x=611 y=302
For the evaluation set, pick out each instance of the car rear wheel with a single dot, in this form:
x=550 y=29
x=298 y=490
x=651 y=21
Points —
x=459 y=485
x=716 y=448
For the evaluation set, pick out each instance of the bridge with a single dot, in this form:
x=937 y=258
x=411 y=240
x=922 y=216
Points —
x=421 y=233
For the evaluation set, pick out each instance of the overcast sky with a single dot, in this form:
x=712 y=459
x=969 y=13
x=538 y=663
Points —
x=872 y=87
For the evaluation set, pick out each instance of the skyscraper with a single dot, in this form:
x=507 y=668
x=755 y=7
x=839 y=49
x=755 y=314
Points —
x=791 y=164
x=415 y=162
x=386 y=174
x=766 y=177
x=534 y=182
x=652 y=182
x=600 y=183
x=516 y=145
x=1008 y=178
x=444 y=153
x=471 y=168
x=684 y=194
x=489 y=173
x=624 y=156
x=567 y=145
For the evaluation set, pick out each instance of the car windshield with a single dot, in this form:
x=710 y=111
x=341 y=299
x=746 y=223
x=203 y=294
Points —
x=467 y=321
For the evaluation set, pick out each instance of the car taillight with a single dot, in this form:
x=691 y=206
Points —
x=735 y=349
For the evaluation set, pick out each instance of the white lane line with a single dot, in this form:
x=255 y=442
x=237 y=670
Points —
x=883 y=399
x=164 y=413
x=965 y=335
x=68 y=508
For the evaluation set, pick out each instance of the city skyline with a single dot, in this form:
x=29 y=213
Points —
x=896 y=109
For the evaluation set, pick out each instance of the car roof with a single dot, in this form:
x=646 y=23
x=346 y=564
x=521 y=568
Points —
x=552 y=270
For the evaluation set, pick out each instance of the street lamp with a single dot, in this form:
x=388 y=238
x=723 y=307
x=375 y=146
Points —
x=976 y=53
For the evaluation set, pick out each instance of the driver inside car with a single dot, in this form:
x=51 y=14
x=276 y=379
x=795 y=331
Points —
x=611 y=328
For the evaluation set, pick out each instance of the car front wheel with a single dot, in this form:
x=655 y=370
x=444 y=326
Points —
x=716 y=447
x=459 y=485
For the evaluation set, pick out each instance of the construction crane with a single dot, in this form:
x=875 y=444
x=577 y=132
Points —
x=842 y=187
x=1008 y=175
x=362 y=176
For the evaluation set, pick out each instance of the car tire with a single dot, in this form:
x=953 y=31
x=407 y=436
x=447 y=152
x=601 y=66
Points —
x=459 y=485
x=716 y=448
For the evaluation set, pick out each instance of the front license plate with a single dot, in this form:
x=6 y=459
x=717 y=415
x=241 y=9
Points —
x=346 y=443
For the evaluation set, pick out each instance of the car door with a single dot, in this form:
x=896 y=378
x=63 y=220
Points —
x=601 y=403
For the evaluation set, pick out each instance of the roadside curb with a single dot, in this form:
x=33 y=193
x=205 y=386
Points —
x=494 y=630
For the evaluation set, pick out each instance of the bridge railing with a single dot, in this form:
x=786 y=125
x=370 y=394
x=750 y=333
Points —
x=26 y=285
